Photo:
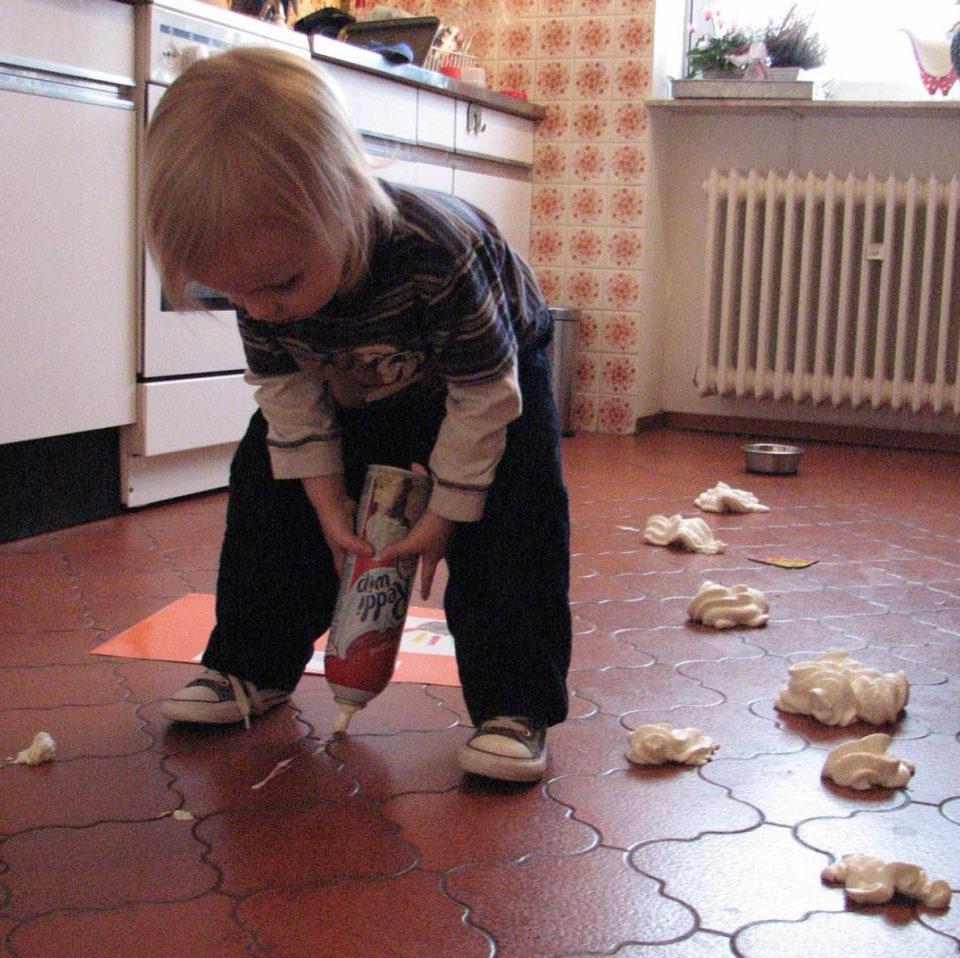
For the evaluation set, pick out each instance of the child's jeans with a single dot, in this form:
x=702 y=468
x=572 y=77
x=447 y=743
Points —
x=506 y=599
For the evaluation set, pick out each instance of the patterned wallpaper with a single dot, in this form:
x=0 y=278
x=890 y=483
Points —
x=589 y=63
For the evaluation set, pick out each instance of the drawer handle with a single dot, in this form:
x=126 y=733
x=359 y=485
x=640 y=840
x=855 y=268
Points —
x=475 y=122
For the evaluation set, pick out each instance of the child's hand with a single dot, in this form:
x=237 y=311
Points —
x=428 y=539
x=336 y=512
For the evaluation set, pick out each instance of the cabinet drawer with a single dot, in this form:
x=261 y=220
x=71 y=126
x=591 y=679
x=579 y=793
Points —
x=436 y=120
x=379 y=107
x=193 y=413
x=485 y=132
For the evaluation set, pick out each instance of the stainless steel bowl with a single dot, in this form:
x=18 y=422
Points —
x=772 y=457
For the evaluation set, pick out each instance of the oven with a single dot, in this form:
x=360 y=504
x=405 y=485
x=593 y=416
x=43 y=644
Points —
x=193 y=405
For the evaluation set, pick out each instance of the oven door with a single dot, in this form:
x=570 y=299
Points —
x=174 y=343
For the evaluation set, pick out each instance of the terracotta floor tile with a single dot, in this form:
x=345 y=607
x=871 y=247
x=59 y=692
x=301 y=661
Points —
x=381 y=828
x=937 y=761
x=386 y=765
x=597 y=650
x=321 y=843
x=615 y=904
x=739 y=680
x=808 y=638
x=41 y=604
x=481 y=822
x=82 y=791
x=617 y=691
x=867 y=931
x=400 y=707
x=592 y=744
x=67 y=647
x=825 y=603
x=201 y=928
x=913 y=832
x=407 y=917
x=213 y=781
x=87 y=731
x=890 y=629
x=788 y=789
x=55 y=685
x=629 y=806
x=103 y=866
x=739 y=732
x=689 y=642
x=907 y=598
x=733 y=880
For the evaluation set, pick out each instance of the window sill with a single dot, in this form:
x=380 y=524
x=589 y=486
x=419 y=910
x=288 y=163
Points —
x=893 y=109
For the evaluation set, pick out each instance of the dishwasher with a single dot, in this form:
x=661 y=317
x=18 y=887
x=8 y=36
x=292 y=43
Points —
x=67 y=190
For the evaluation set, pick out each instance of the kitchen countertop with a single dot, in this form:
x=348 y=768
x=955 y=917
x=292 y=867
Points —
x=333 y=51
x=366 y=61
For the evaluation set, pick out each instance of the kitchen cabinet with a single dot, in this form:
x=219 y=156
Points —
x=67 y=191
x=505 y=199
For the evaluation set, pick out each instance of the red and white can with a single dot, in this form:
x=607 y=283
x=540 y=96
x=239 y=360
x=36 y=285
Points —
x=372 y=603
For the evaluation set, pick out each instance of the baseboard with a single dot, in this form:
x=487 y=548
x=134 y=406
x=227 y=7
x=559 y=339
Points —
x=61 y=481
x=647 y=423
x=811 y=432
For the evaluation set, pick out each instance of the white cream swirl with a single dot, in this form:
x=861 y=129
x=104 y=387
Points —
x=725 y=607
x=872 y=881
x=838 y=690
x=723 y=498
x=661 y=743
x=866 y=763
x=693 y=534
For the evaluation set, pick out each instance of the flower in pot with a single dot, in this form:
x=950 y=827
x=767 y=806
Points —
x=793 y=45
x=715 y=53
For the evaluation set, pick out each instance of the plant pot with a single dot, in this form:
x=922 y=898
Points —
x=784 y=73
x=721 y=74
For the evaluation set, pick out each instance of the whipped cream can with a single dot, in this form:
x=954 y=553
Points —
x=374 y=595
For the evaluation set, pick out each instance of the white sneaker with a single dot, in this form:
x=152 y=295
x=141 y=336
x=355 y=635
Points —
x=218 y=699
x=508 y=748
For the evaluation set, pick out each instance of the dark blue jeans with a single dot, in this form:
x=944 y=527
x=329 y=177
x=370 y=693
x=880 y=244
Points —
x=506 y=600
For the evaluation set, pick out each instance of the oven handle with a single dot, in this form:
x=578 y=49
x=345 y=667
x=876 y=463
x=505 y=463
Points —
x=42 y=78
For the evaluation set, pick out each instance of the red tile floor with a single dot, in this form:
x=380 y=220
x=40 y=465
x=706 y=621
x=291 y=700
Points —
x=376 y=845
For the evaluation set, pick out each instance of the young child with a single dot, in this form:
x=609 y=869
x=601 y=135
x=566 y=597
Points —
x=382 y=324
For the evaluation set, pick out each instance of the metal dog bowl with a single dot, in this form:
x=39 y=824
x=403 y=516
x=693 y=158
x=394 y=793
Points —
x=772 y=457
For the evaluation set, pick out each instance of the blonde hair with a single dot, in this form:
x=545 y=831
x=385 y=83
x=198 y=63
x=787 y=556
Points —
x=255 y=132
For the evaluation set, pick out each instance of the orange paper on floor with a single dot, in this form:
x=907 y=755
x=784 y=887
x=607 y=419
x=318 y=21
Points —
x=179 y=633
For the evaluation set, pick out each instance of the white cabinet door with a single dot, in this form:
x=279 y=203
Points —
x=486 y=132
x=67 y=298
x=431 y=176
x=506 y=201
x=436 y=118
x=377 y=106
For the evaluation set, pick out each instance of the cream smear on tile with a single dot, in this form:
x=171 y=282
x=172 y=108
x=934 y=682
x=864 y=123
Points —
x=724 y=498
x=866 y=763
x=41 y=749
x=691 y=534
x=725 y=607
x=661 y=743
x=837 y=690
x=871 y=881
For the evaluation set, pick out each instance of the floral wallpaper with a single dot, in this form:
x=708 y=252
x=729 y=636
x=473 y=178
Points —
x=589 y=64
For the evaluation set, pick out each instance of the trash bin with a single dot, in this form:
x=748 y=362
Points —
x=563 y=357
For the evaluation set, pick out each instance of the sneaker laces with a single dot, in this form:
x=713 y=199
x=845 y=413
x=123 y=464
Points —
x=241 y=698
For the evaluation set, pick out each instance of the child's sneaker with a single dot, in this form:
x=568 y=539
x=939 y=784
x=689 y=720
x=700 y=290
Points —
x=508 y=748
x=219 y=699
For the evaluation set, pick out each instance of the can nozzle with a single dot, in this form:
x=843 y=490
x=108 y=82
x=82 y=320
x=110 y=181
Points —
x=346 y=713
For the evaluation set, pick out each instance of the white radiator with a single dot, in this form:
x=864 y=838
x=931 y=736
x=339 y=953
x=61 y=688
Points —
x=829 y=289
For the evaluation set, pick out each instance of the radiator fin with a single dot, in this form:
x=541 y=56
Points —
x=835 y=290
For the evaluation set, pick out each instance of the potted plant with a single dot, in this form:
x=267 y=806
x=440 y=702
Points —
x=793 y=46
x=709 y=55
